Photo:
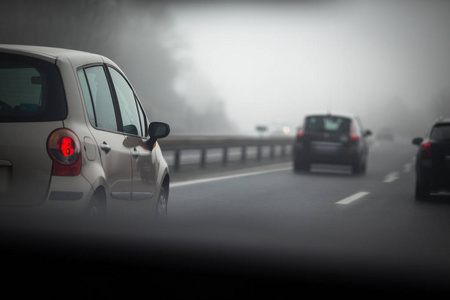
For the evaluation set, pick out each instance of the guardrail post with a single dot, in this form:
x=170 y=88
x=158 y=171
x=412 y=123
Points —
x=177 y=160
x=272 y=151
x=283 y=150
x=243 y=154
x=259 y=152
x=203 y=158
x=225 y=156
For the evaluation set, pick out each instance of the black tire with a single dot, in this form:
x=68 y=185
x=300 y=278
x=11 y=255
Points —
x=363 y=169
x=161 y=205
x=422 y=190
x=359 y=167
x=300 y=166
x=96 y=208
x=296 y=166
x=356 y=168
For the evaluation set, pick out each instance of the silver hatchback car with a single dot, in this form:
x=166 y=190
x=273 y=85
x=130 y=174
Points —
x=74 y=136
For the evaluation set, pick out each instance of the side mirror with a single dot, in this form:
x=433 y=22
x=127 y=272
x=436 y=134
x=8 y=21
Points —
x=157 y=130
x=417 y=141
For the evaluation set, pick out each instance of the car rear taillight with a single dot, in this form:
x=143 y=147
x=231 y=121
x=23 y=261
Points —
x=353 y=134
x=64 y=149
x=300 y=132
x=425 y=150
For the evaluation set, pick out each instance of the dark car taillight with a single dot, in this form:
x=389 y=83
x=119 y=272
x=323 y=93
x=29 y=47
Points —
x=300 y=134
x=353 y=133
x=64 y=149
x=425 y=149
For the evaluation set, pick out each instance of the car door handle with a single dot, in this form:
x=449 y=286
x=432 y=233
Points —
x=105 y=147
x=135 y=153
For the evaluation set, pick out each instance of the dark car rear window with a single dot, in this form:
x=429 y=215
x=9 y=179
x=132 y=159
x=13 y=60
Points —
x=441 y=132
x=31 y=90
x=327 y=123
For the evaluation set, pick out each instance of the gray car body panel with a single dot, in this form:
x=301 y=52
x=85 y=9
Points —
x=93 y=176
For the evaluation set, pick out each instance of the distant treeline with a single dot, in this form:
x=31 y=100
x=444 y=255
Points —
x=136 y=34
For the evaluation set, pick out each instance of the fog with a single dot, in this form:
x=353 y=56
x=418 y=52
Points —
x=386 y=61
x=138 y=35
x=224 y=68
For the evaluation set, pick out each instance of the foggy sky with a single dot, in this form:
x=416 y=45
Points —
x=387 y=61
x=225 y=67
x=137 y=34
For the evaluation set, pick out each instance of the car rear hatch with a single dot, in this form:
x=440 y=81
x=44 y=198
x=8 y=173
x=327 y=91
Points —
x=327 y=135
x=440 y=149
x=32 y=105
x=441 y=163
x=25 y=166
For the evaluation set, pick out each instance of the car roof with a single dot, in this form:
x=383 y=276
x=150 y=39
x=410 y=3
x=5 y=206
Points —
x=442 y=121
x=333 y=114
x=51 y=54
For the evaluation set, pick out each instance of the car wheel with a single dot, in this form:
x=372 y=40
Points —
x=161 y=205
x=422 y=190
x=95 y=209
x=296 y=166
x=363 y=168
x=357 y=168
x=300 y=166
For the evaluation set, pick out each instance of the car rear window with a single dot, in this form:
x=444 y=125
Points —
x=31 y=90
x=441 y=132
x=327 y=123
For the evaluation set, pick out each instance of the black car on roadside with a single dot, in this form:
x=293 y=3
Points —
x=331 y=139
x=433 y=160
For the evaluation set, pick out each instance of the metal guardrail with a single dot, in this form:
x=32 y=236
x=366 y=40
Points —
x=178 y=144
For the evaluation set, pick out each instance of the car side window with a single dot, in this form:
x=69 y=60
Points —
x=143 y=120
x=440 y=133
x=128 y=104
x=98 y=99
x=87 y=97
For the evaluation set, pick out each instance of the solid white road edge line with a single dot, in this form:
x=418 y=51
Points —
x=190 y=182
x=352 y=198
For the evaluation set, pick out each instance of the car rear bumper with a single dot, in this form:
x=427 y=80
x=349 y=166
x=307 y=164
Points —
x=345 y=156
x=67 y=196
x=438 y=179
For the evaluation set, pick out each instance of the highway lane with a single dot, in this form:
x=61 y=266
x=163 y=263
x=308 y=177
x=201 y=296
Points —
x=257 y=231
x=372 y=218
x=279 y=194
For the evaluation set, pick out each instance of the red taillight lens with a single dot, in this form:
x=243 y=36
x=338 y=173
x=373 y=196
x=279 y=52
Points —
x=425 y=150
x=64 y=149
x=300 y=132
x=66 y=146
x=353 y=134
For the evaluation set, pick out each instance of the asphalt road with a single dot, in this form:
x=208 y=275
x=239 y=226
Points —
x=249 y=230
x=335 y=218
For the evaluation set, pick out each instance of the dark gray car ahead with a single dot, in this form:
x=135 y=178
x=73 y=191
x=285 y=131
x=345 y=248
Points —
x=331 y=139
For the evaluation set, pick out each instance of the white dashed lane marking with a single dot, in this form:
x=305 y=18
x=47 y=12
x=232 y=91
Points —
x=407 y=168
x=391 y=177
x=352 y=198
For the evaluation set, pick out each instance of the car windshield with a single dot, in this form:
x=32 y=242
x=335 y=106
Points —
x=441 y=132
x=30 y=90
x=327 y=123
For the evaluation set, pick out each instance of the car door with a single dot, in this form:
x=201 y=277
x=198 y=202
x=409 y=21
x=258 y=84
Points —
x=135 y=131
x=103 y=116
